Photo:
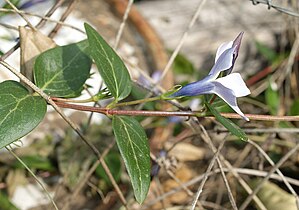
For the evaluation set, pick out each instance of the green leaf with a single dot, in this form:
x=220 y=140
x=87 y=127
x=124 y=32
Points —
x=36 y=162
x=228 y=124
x=112 y=160
x=273 y=197
x=134 y=148
x=295 y=107
x=110 y=65
x=182 y=65
x=62 y=71
x=139 y=93
x=5 y=202
x=267 y=52
x=7 y=6
x=20 y=112
x=272 y=99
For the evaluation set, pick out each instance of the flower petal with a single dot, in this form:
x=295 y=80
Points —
x=222 y=48
x=224 y=62
x=229 y=97
x=31 y=3
x=234 y=82
x=236 y=45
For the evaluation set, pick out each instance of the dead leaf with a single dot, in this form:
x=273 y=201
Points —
x=275 y=198
x=32 y=43
x=183 y=174
x=15 y=178
x=186 y=152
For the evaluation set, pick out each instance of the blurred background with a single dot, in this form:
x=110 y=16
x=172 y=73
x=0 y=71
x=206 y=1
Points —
x=182 y=149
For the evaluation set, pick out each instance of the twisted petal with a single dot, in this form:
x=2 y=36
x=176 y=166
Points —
x=224 y=62
x=235 y=82
x=228 y=96
x=222 y=48
x=236 y=45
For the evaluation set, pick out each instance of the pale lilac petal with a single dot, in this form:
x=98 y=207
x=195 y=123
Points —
x=222 y=48
x=224 y=62
x=235 y=82
x=228 y=96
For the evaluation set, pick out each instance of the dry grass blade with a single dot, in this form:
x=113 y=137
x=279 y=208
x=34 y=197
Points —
x=277 y=7
x=44 y=18
x=63 y=18
x=235 y=174
x=209 y=169
x=123 y=23
x=230 y=195
x=36 y=179
x=88 y=175
x=21 y=14
x=182 y=40
x=275 y=168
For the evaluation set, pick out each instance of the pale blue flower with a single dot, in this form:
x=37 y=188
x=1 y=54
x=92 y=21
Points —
x=228 y=87
x=31 y=3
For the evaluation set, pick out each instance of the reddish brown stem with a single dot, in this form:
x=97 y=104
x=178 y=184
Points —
x=252 y=80
x=108 y=112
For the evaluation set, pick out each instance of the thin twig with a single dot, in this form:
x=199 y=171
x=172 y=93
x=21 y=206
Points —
x=40 y=24
x=230 y=194
x=90 y=172
x=170 y=173
x=66 y=13
x=57 y=4
x=21 y=14
x=290 y=61
x=242 y=182
x=245 y=171
x=264 y=130
x=277 y=7
x=36 y=179
x=274 y=168
x=123 y=23
x=70 y=122
x=182 y=40
x=209 y=169
x=9 y=26
x=43 y=18
x=277 y=170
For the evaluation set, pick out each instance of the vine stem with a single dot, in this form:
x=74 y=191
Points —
x=32 y=174
x=108 y=111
